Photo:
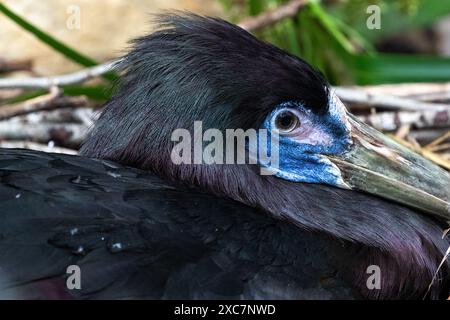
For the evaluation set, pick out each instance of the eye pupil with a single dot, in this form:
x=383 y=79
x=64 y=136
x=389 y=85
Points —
x=286 y=121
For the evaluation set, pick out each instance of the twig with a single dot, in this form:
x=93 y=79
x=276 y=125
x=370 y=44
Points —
x=407 y=89
x=9 y=93
x=50 y=101
x=440 y=147
x=426 y=153
x=85 y=116
x=19 y=65
x=58 y=81
x=403 y=131
x=418 y=91
x=390 y=121
x=432 y=96
x=361 y=97
x=66 y=126
x=443 y=261
x=62 y=133
x=436 y=158
x=438 y=140
x=36 y=146
x=427 y=135
x=270 y=17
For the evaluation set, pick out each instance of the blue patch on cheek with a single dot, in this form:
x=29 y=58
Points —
x=298 y=165
x=301 y=162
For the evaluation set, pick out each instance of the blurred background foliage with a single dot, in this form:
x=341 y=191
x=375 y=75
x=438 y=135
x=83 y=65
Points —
x=330 y=34
x=334 y=37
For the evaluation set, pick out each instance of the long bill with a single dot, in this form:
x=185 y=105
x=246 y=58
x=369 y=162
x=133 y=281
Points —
x=378 y=165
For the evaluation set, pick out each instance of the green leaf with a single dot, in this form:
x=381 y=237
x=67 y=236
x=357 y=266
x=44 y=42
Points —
x=97 y=93
x=294 y=46
x=329 y=24
x=393 y=18
x=256 y=7
x=356 y=37
x=397 y=68
x=23 y=97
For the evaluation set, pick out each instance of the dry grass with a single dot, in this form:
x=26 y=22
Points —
x=437 y=151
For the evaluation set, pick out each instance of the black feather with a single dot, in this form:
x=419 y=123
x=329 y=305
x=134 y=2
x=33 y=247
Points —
x=175 y=242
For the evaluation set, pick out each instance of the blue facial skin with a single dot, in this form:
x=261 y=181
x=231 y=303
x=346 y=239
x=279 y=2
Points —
x=302 y=162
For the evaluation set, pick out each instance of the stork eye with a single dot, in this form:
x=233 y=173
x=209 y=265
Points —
x=286 y=121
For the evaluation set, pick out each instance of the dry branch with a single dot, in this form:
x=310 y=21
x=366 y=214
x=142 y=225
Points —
x=65 y=126
x=55 y=99
x=19 y=65
x=6 y=94
x=407 y=89
x=441 y=147
x=390 y=121
x=425 y=152
x=36 y=146
x=61 y=133
x=432 y=96
x=273 y=16
x=438 y=141
x=85 y=116
x=418 y=91
x=58 y=81
x=427 y=135
x=361 y=97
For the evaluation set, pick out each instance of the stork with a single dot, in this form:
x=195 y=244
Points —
x=342 y=200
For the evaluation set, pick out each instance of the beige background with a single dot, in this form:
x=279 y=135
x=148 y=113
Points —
x=105 y=27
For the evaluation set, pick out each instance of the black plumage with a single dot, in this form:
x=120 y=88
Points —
x=196 y=231
x=174 y=242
